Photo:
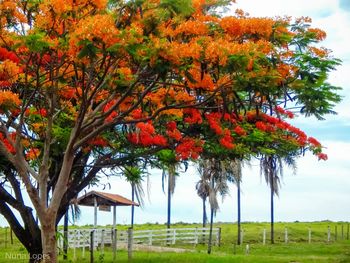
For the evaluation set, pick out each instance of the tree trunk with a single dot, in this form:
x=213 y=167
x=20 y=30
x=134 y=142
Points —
x=239 y=241
x=169 y=202
x=204 y=212
x=211 y=230
x=48 y=236
x=272 y=212
x=132 y=206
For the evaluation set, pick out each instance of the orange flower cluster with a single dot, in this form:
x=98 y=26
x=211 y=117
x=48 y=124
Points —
x=7 y=144
x=238 y=27
x=9 y=100
x=200 y=80
x=33 y=153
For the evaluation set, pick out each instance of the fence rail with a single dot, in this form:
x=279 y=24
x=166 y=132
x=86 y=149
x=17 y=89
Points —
x=80 y=238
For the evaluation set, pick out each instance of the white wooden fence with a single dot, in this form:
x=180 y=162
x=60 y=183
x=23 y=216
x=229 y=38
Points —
x=80 y=238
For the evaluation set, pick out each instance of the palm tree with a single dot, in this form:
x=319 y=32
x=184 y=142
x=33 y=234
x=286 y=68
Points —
x=133 y=175
x=272 y=169
x=233 y=170
x=169 y=174
x=212 y=171
x=168 y=163
x=203 y=188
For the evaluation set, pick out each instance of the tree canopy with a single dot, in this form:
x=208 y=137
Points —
x=87 y=85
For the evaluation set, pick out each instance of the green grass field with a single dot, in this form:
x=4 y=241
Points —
x=297 y=250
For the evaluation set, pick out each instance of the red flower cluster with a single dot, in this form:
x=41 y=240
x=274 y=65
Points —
x=284 y=112
x=314 y=142
x=227 y=140
x=146 y=136
x=240 y=131
x=41 y=112
x=189 y=148
x=194 y=116
x=5 y=54
x=322 y=156
x=214 y=122
x=98 y=141
x=136 y=114
x=173 y=132
x=113 y=114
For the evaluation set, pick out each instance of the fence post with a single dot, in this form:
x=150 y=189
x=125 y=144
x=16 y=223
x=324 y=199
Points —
x=242 y=235
x=342 y=231
x=335 y=233
x=218 y=238
x=84 y=243
x=115 y=243
x=92 y=243
x=130 y=242
x=174 y=237
x=347 y=234
x=196 y=236
x=264 y=236
x=75 y=244
x=309 y=235
x=102 y=240
x=329 y=234
x=286 y=235
x=150 y=238
x=5 y=236
x=11 y=236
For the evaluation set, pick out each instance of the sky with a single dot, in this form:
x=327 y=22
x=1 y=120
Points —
x=319 y=190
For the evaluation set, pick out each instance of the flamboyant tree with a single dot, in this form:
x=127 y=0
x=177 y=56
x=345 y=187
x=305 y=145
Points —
x=85 y=85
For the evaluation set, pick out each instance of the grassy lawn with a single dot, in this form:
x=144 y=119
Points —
x=297 y=250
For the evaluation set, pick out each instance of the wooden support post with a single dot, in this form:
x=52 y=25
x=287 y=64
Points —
x=342 y=232
x=130 y=242
x=242 y=235
x=264 y=236
x=95 y=212
x=92 y=245
x=348 y=232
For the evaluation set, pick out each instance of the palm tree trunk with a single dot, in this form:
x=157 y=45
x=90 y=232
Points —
x=272 y=211
x=204 y=212
x=169 y=201
x=211 y=230
x=132 y=206
x=211 y=220
x=239 y=241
